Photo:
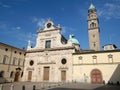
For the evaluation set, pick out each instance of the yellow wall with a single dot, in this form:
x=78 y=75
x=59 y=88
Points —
x=8 y=66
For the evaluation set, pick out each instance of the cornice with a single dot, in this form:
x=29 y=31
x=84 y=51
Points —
x=95 y=52
x=43 y=31
x=49 y=49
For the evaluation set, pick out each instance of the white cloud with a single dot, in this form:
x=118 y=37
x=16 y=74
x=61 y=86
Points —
x=34 y=19
x=31 y=36
x=66 y=29
x=4 y=5
x=110 y=10
x=16 y=28
x=24 y=37
x=39 y=22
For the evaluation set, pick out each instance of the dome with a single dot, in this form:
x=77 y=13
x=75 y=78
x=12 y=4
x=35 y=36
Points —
x=74 y=40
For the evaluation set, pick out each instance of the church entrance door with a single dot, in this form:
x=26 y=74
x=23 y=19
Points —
x=96 y=76
x=29 y=75
x=46 y=73
x=63 y=75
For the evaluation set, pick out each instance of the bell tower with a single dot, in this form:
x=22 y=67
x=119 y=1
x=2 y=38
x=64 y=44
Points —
x=93 y=29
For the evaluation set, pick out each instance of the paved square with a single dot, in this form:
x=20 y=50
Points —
x=56 y=86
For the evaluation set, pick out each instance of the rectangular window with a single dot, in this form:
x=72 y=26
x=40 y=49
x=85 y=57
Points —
x=48 y=44
x=5 y=58
x=19 y=61
x=14 y=60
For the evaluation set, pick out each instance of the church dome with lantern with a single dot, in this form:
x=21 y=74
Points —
x=74 y=40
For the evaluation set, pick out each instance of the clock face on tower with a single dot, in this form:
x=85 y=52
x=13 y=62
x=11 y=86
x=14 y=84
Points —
x=49 y=25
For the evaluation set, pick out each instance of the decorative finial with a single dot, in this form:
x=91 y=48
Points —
x=29 y=44
x=71 y=36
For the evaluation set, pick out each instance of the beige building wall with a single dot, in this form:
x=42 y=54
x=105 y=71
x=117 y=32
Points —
x=52 y=60
x=107 y=62
x=7 y=67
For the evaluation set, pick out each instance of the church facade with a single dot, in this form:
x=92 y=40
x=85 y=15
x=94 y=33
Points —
x=51 y=58
x=56 y=59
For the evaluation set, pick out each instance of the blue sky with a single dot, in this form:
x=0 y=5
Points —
x=20 y=20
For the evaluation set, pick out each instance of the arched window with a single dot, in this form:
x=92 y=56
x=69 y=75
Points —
x=5 y=58
x=93 y=25
x=11 y=74
x=2 y=73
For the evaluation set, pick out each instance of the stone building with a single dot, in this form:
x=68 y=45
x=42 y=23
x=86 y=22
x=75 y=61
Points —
x=11 y=63
x=56 y=59
x=51 y=58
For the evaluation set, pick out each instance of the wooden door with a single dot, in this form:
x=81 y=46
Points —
x=63 y=75
x=29 y=75
x=16 y=76
x=46 y=73
x=96 y=76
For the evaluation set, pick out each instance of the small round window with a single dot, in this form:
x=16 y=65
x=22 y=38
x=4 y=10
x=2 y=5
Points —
x=31 y=62
x=64 y=61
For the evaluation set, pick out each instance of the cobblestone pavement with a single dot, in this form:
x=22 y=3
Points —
x=56 y=86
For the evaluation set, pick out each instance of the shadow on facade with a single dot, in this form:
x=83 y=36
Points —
x=115 y=78
x=114 y=81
